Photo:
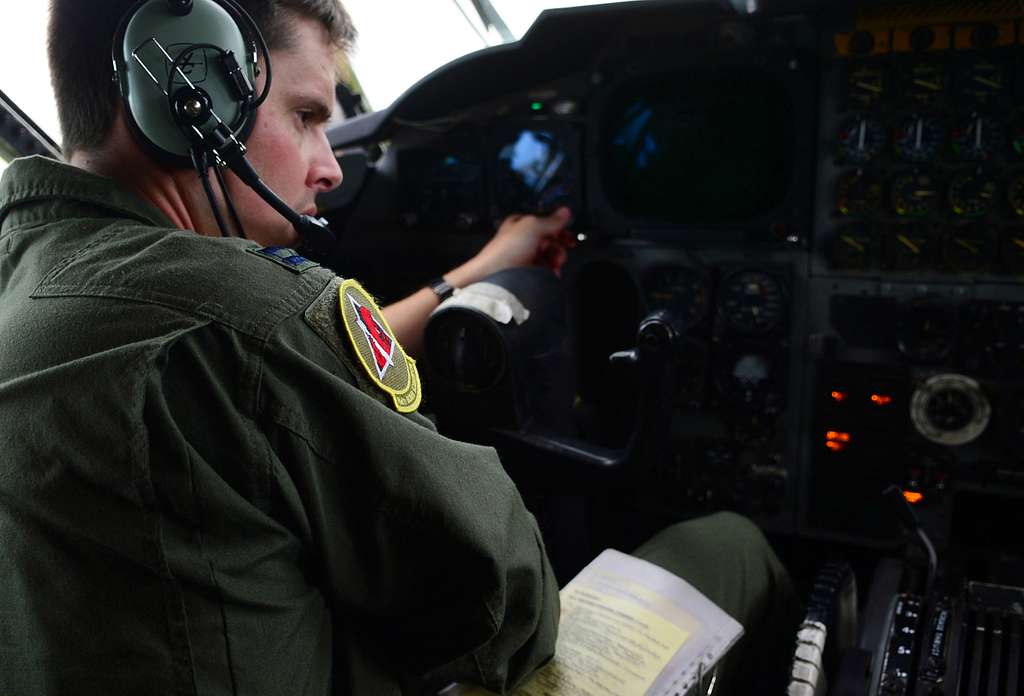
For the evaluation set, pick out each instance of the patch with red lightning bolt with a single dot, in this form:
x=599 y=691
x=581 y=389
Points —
x=379 y=351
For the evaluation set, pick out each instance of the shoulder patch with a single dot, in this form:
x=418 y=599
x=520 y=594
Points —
x=283 y=256
x=379 y=352
x=396 y=374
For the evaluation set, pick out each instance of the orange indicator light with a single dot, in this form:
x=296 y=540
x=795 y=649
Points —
x=881 y=399
x=835 y=446
x=836 y=436
x=913 y=497
x=839 y=396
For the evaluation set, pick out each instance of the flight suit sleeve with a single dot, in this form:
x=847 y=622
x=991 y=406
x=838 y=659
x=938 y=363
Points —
x=422 y=544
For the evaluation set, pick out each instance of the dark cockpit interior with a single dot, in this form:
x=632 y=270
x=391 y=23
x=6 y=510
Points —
x=796 y=285
x=795 y=293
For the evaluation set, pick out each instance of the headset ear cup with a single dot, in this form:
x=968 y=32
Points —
x=197 y=42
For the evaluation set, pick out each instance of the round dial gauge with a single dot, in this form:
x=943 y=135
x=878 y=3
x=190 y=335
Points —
x=918 y=139
x=855 y=249
x=752 y=302
x=925 y=83
x=950 y=410
x=1017 y=135
x=967 y=250
x=865 y=85
x=1016 y=195
x=926 y=332
x=973 y=194
x=861 y=140
x=909 y=248
x=915 y=194
x=858 y=193
x=749 y=379
x=978 y=138
x=1011 y=251
x=684 y=291
x=983 y=82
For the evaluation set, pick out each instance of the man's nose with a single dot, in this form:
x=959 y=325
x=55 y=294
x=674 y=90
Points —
x=324 y=171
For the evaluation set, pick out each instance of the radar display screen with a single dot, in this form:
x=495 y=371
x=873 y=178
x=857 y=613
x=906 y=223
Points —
x=691 y=149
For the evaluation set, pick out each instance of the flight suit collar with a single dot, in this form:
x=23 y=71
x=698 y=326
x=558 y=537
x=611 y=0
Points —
x=30 y=181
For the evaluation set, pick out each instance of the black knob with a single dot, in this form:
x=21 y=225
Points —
x=922 y=38
x=984 y=36
x=862 y=43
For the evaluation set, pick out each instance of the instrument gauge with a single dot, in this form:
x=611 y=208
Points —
x=1017 y=135
x=925 y=83
x=749 y=379
x=973 y=194
x=983 y=82
x=752 y=302
x=967 y=250
x=1011 y=252
x=915 y=194
x=858 y=194
x=861 y=140
x=909 y=248
x=1015 y=193
x=977 y=138
x=918 y=139
x=926 y=332
x=855 y=249
x=950 y=410
x=865 y=85
x=684 y=291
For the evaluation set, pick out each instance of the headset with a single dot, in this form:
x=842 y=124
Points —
x=186 y=71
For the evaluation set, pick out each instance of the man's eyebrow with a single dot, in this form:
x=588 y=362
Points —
x=320 y=107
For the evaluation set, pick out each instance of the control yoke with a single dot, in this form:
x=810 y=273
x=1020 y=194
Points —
x=654 y=360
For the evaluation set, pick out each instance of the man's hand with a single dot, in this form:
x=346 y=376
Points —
x=521 y=240
x=527 y=240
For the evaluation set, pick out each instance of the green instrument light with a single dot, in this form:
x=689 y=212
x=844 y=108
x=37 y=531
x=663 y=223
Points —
x=537 y=106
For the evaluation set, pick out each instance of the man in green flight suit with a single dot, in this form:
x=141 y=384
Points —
x=204 y=488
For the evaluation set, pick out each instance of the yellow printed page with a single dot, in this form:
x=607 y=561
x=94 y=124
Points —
x=606 y=646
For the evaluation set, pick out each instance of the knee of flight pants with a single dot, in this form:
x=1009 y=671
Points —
x=728 y=559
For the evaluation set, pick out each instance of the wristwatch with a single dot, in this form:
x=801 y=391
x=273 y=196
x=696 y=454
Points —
x=442 y=288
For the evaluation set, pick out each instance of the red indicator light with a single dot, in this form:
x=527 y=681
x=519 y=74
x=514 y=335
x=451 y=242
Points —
x=839 y=396
x=913 y=497
x=881 y=399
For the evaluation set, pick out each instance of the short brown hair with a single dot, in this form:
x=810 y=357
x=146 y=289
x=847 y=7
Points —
x=81 y=33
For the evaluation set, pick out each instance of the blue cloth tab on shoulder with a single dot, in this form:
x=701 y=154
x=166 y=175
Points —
x=283 y=256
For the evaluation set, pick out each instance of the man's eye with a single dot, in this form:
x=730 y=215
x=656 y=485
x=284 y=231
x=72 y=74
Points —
x=305 y=117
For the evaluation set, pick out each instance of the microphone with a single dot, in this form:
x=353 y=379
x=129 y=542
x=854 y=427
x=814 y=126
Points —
x=316 y=235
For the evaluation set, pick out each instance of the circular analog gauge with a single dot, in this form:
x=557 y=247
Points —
x=1011 y=251
x=978 y=138
x=918 y=139
x=915 y=194
x=909 y=248
x=861 y=140
x=950 y=410
x=684 y=291
x=1015 y=194
x=858 y=193
x=967 y=250
x=749 y=379
x=1017 y=134
x=855 y=249
x=925 y=83
x=983 y=82
x=926 y=332
x=865 y=85
x=752 y=302
x=973 y=193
